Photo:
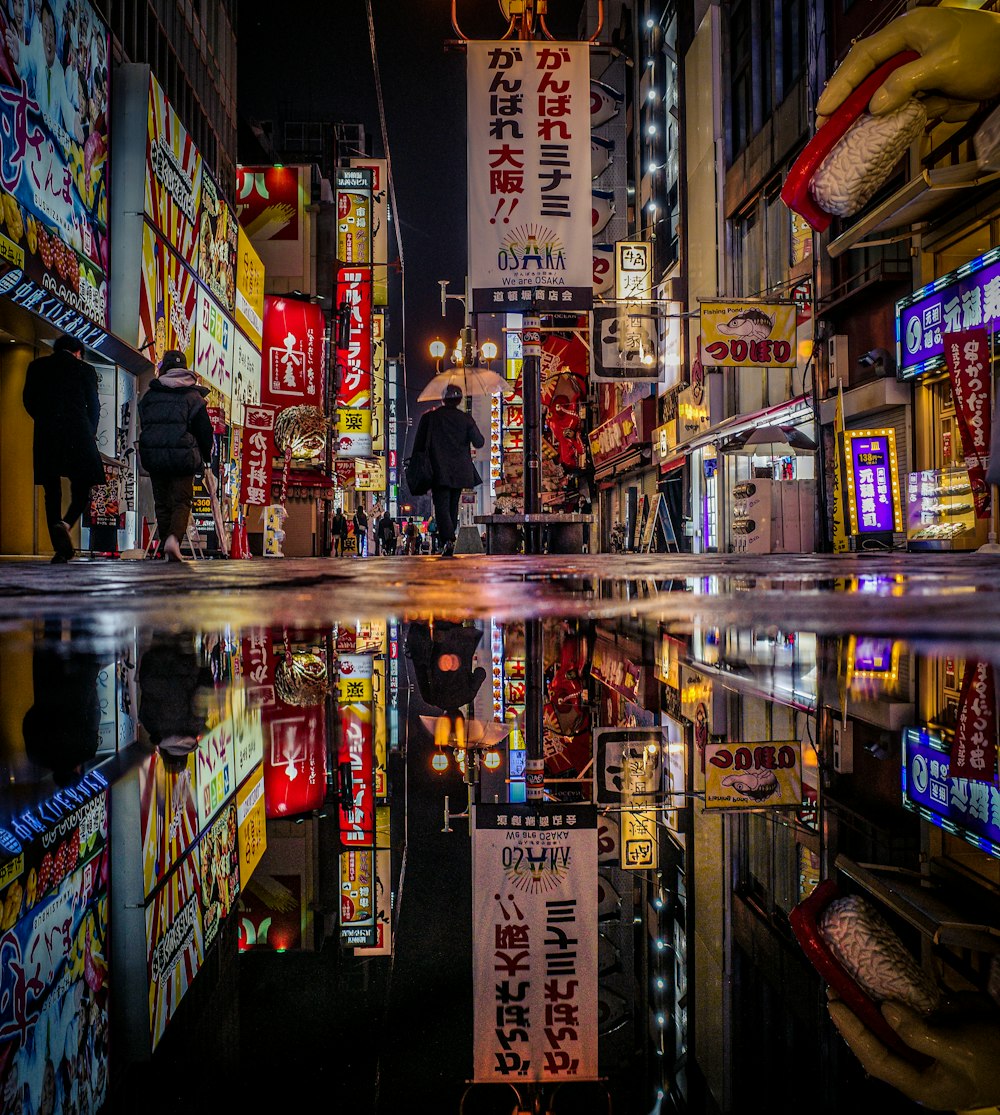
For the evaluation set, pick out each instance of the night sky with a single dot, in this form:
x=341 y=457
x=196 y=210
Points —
x=305 y=61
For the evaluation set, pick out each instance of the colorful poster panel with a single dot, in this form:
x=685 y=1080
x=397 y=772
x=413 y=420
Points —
x=54 y=1000
x=168 y=301
x=173 y=177
x=218 y=243
x=220 y=872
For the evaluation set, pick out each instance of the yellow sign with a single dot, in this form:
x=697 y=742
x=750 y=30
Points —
x=354 y=422
x=249 y=290
x=251 y=826
x=378 y=383
x=379 y=696
x=639 y=844
x=753 y=775
x=369 y=474
x=748 y=334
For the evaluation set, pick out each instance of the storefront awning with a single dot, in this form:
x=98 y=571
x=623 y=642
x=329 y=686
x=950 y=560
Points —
x=792 y=412
x=673 y=463
x=914 y=202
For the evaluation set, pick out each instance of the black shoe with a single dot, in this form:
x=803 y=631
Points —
x=62 y=542
x=448 y=549
x=59 y=559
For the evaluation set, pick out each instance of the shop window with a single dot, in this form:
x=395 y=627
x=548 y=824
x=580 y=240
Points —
x=793 y=43
x=741 y=75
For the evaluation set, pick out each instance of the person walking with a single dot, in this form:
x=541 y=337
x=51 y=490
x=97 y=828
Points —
x=60 y=394
x=338 y=530
x=446 y=434
x=361 y=530
x=175 y=443
x=412 y=535
x=432 y=531
x=386 y=535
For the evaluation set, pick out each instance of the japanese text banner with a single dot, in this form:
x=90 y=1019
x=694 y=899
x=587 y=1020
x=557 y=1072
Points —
x=258 y=451
x=529 y=176
x=535 y=942
x=968 y=358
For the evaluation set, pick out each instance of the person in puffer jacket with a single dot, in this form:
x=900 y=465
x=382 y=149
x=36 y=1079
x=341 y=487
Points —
x=175 y=444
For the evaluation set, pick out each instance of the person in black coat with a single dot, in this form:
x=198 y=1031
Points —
x=175 y=443
x=338 y=532
x=60 y=394
x=386 y=534
x=447 y=433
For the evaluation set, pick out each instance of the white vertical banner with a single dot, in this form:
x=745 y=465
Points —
x=534 y=907
x=529 y=176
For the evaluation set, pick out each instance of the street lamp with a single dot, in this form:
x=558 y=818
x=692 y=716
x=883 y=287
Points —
x=437 y=351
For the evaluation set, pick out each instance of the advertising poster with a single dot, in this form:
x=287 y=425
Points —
x=252 y=825
x=294 y=354
x=168 y=301
x=258 y=454
x=168 y=815
x=974 y=748
x=173 y=178
x=751 y=775
x=614 y=438
x=42 y=845
x=357 y=897
x=214 y=344
x=218 y=242
x=354 y=364
x=248 y=741
x=54 y=1000
x=748 y=335
x=249 y=290
x=379 y=169
x=215 y=766
x=378 y=384
x=529 y=194
x=54 y=159
x=354 y=678
x=270 y=205
x=246 y=377
x=175 y=948
x=383 y=906
x=357 y=755
x=271 y=913
x=354 y=215
x=369 y=474
x=968 y=358
x=220 y=872
x=534 y=953
x=354 y=433
x=873 y=501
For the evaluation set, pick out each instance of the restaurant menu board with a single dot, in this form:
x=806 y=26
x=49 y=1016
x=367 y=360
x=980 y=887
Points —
x=175 y=944
x=54 y=999
x=534 y=959
x=220 y=872
x=940 y=509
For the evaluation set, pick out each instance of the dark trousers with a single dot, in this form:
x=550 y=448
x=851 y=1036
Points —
x=79 y=497
x=172 y=497
x=338 y=545
x=446 y=501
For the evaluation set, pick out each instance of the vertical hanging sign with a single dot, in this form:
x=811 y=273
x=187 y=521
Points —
x=529 y=181
x=968 y=358
x=258 y=450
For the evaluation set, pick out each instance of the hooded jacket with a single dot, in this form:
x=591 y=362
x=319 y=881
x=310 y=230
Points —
x=176 y=438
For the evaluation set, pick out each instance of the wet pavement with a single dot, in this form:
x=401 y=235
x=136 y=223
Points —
x=237 y=864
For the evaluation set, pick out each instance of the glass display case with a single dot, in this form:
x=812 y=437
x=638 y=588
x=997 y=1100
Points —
x=940 y=511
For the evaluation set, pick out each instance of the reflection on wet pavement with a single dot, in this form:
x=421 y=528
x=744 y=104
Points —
x=467 y=836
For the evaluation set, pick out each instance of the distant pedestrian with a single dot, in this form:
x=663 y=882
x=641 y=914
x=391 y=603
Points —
x=412 y=534
x=338 y=530
x=386 y=535
x=361 y=530
x=447 y=433
x=432 y=530
x=60 y=394
x=174 y=445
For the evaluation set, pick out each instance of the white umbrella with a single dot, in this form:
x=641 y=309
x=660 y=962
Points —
x=473 y=381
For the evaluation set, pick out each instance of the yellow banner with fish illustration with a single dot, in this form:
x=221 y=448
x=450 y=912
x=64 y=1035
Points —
x=753 y=775
x=748 y=334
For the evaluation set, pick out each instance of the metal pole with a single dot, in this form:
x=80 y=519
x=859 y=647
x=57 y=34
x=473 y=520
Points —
x=531 y=390
x=534 y=688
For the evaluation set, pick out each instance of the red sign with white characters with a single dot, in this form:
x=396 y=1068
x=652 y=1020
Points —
x=974 y=749
x=354 y=364
x=968 y=357
x=257 y=666
x=357 y=750
x=258 y=450
x=294 y=759
x=294 y=354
